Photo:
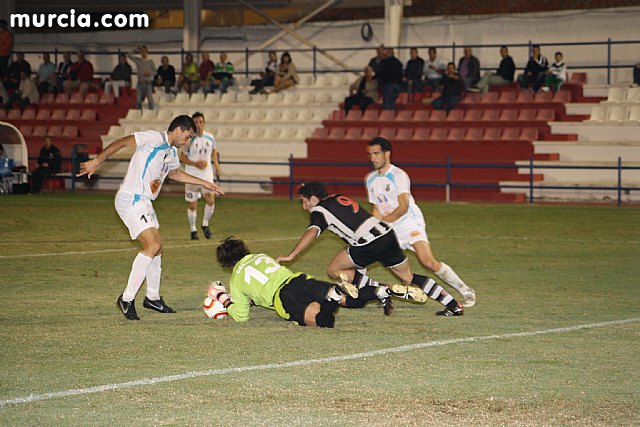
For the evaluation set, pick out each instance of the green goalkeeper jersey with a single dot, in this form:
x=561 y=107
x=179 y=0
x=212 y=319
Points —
x=257 y=278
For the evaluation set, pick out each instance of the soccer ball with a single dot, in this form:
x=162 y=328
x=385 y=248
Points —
x=214 y=309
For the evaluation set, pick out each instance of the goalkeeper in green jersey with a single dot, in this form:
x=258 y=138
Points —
x=259 y=279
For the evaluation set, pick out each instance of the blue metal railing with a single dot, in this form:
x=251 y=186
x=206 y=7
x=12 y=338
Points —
x=606 y=62
x=447 y=181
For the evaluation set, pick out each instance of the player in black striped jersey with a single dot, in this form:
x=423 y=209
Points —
x=370 y=240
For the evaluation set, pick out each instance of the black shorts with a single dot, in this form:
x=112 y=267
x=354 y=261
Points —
x=385 y=250
x=299 y=293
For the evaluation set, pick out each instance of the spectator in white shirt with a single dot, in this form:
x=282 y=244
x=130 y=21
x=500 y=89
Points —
x=434 y=69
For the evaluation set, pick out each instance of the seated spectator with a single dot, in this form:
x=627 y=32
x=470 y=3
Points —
x=27 y=93
x=222 y=75
x=413 y=72
x=120 y=76
x=145 y=68
x=6 y=46
x=62 y=73
x=452 y=87
x=286 y=75
x=434 y=69
x=556 y=75
x=503 y=75
x=390 y=79
x=374 y=62
x=46 y=77
x=205 y=71
x=189 y=80
x=6 y=171
x=469 y=70
x=364 y=91
x=534 y=72
x=80 y=76
x=268 y=76
x=636 y=74
x=12 y=80
x=4 y=96
x=48 y=164
x=165 y=76
x=3 y=154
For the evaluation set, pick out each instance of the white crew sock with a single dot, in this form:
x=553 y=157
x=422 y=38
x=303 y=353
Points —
x=447 y=274
x=208 y=213
x=192 y=215
x=153 y=278
x=138 y=272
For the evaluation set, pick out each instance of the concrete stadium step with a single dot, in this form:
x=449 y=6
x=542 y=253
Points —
x=587 y=151
x=585 y=176
x=564 y=192
x=596 y=132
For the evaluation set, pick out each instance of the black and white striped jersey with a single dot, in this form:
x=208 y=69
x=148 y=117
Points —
x=344 y=217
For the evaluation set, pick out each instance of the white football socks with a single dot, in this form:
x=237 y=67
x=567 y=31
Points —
x=192 y=215
x=138 y=272
x=208 y=213
x=153 y=278
x=447 y=274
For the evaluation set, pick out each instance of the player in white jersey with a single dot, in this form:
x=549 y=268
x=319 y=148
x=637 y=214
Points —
x=197 y=158
x=155 y=158
x=389 y=189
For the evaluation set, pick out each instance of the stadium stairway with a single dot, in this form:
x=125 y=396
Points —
x=497 y=128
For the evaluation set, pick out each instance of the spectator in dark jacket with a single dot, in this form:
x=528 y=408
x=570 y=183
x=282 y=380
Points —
x=413 y=72
x=48 y=164
x=165 y=76
x=534 y=73
x=63 y=71
x=636 y=74
x=390 y=79
x=120 y=76
x=363 y=92
x=469 y=69
x=374 y=62
x=12 y=80
x=502 y=76
x=452 y=87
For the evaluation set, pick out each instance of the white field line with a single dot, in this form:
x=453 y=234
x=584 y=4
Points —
x=280 y=239
x=296 y=363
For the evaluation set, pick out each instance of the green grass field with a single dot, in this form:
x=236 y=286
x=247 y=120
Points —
x=561 y=276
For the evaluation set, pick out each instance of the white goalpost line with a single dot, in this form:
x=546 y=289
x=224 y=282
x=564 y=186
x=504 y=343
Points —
x=283 y=365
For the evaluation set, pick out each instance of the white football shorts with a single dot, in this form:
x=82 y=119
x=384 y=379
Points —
x=137 y=217
x=410 y=231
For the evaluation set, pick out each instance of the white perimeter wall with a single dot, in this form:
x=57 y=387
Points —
x=557 y=27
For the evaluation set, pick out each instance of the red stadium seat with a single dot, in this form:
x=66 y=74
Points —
x=455 y=116
x=26 y=130
x=370 y=133
x=510 y=134
x=508 y=115
x=61 y=98
x=528 y=134
x=91 y=99
x=545 y=115
x=336 y=133
x=76 y=98
x=405 y=134
x=43 y=114
x=28 y=114
x=403 y=98
x=471 y=98
x=354 y=115
x=421 y=115
x=55 y=131
x=106 y=99
x=437 y=116
x=455 y=134
x=13 y=114
x=472 y=115
x=387 y=116
x=421 y=134
x=3 y=114
x=39 y=131
x=524 y=97
x=489 y=97
x=490 y=115
x=473 y=134
x=563 y=96
x=70 y=132
x=353 y=133
x=404 y=116
x=72 y=114
x=47 y=98
x=89 y=115
x=438 y=134
x=526 y=115
x=491 y=134
x=388 y=133
x=579 y=78
x=58 y=114
x=370 y=115
x=543 y=97
x=320 y=133
x=507 y=97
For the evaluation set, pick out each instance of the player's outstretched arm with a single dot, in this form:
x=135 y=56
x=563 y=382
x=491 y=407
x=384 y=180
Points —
x=403 y=207
x=91 y=166
x=307 y=238
x=181 y=176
